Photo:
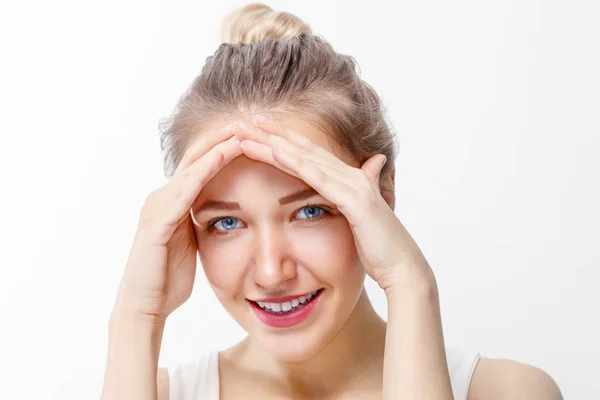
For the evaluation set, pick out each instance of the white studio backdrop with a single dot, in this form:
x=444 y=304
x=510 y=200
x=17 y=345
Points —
x=496 y=107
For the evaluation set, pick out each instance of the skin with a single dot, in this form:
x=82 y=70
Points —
x=270 y=251
x=343 y=351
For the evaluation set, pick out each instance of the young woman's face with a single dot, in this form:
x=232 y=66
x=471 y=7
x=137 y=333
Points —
x=266 y=242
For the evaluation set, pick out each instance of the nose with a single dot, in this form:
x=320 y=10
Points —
x=273 y=263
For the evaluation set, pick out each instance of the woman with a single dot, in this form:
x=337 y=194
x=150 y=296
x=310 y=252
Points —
x=288 y=214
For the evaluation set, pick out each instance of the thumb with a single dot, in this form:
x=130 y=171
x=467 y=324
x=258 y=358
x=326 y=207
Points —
x=373 y=166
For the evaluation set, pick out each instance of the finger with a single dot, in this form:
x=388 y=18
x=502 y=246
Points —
x=310 y=150
x=279 y=129
x=187 y=184
x=262 y=152
x=205 y=143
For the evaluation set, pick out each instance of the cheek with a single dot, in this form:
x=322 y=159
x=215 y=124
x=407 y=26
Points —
x=329 y=247
x=223 y=262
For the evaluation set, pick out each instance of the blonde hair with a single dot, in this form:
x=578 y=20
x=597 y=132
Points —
x=257 y=21
x=271 y=63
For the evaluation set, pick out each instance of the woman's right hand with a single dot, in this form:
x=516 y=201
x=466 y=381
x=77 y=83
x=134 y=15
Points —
x=160 y=271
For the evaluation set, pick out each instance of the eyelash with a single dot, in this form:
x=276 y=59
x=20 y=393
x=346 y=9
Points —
x=326 y=212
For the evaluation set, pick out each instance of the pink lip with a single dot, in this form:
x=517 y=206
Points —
x=289 y=319
x=282 y=299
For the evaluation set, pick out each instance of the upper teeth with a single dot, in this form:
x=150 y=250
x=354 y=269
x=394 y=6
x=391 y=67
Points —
x=287 y=305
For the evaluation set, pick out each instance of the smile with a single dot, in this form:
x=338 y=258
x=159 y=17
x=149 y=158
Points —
x=287 y=306
x=283 y=314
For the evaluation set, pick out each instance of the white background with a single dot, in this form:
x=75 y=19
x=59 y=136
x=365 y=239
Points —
x=496 y=105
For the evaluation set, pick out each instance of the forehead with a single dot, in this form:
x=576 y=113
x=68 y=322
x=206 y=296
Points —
x=302 y=127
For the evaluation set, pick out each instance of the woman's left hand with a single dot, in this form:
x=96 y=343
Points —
x=387 y=251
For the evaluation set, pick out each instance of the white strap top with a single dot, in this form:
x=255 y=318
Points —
x=199 y=380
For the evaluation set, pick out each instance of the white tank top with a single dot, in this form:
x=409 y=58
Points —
x=199 y=380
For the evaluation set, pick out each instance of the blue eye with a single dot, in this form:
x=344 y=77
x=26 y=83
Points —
x=228 y=223
x=311 y=211
x=225 y=225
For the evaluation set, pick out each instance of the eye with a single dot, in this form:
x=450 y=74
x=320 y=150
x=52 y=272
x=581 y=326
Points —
x=308 y=214
x=311 y=212
x=226 y=224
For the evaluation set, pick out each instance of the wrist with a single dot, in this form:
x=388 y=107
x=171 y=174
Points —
x=133 y=332
x=124 y=317
x=398 y=286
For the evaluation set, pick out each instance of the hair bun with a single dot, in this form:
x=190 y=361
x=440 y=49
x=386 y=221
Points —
x=256 y=21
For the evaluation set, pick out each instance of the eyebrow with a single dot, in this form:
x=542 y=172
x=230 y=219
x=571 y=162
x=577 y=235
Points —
x=214 y=205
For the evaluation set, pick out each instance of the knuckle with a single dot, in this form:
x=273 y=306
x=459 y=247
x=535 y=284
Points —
x=150 y=203
x=303 y=153
x=154 y=201
x=219 y=154
x=152 y=198
x=185 y=173
x=323 y=178
x=302 y=162
x=308 y=144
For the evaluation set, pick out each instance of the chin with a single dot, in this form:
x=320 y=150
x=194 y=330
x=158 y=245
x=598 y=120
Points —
x=303 y=341
x=294 y=347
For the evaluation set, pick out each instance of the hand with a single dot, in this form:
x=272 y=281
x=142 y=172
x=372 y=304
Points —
x=161 y=267
x=387 y=251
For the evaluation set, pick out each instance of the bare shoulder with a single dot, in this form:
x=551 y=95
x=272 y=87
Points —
x=162 y=382
x=500 y=379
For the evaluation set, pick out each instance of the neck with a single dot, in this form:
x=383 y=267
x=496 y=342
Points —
x=351 y=358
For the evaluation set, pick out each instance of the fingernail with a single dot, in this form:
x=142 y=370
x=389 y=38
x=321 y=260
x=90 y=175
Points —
x=242 y=125
x=384 y=161
x=261 y=119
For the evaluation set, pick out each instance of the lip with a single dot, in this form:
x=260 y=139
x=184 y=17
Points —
x=286 y=320
x=282 y=299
